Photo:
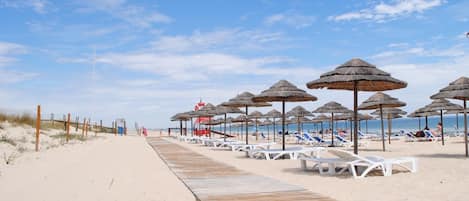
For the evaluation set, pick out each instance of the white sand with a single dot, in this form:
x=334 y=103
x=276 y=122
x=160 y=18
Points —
x=442 y=174
x=109 y=168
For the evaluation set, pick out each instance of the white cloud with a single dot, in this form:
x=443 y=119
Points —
x=7 y=77
x=223 y=39
x=7 y=50
x=455 y=51
x=383 y=12
x=135 y=15
x=194 y=66
x=38 y=6
x=291 y=19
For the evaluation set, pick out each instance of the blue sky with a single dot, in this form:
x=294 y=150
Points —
x=146 y=60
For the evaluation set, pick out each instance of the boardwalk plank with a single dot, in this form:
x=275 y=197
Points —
x=210 y=180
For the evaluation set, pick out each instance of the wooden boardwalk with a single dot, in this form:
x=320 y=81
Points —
x=210 y=180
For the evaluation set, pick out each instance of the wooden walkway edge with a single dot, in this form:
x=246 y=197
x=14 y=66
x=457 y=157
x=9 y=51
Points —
x=210 y=180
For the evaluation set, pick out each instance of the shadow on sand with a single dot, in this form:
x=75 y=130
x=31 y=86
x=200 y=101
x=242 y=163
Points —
x=439 y=155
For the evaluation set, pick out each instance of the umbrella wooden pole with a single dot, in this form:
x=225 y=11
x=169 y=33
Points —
x=298 y=125
x=185 y=127
x=322 y=130
x=389 y=128
x=224 y=130
x=257 y=131
x=457 y=121
x=426 y=121
x=465 y=128
x=192 y=128
x=247 y=141
x=420 y=128
x=382 y=126
x=442 y=133
x=332 y=126
x=180 y=127
x=283 y=125
x=274 y=130
x=351 y=131
x=268 y=133
x=355 y=117
x=366 y=124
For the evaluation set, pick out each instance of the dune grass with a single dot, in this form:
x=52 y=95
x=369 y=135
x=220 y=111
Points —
x=72 y=137
x=21 y=119
x=5 y=139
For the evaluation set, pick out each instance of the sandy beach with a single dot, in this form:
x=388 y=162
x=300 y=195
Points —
x=106 y=168
x=440 y=173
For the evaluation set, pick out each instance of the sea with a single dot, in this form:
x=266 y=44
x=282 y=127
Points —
x=450 y=125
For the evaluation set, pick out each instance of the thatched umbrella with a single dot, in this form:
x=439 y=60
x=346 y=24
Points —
x=456 y=112
x=245 y=100
x=284 y=91
x=191 y=114
x=225 y=110
x=256 y=115
x=209 y=111
x=357 y=75
x=299 y=112
x=415 y=115
x=274 y=114
x=266 y=123
x=458 y=89
x=333 y=108
x=181 y=117
x=440 y=105
x=389 y=114
x=366 y=118
x=380 y=100
x=424 y=112
x=349 y=117
x=229 y=121
x=321 y=118
x=240 y=119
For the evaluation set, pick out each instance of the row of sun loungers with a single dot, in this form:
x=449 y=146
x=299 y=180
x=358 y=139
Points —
x=344 y=161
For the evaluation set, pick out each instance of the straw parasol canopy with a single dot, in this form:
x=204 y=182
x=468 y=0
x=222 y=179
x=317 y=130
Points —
x=458 y=89
x=389 y=114
x=380 y=99
x=357 y=75
x=284 y=91
x=256 y=115
x=333 y=108
x=299 y=112
x=245 y=100
x=440 y=105
x=390 y=111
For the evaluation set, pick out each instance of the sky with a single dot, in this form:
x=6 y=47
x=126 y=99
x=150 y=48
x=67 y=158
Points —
x=147 y=60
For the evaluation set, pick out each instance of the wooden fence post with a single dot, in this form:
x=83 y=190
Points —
x=78 y=124
x=68 y=127
x=125 y=128
x=83 y=128
x=38 y=126
x=115 y=128
x=86 y=127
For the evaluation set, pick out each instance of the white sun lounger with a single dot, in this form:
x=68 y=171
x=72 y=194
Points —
x=248 y=147
x=292 y=152
x=349 y=161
